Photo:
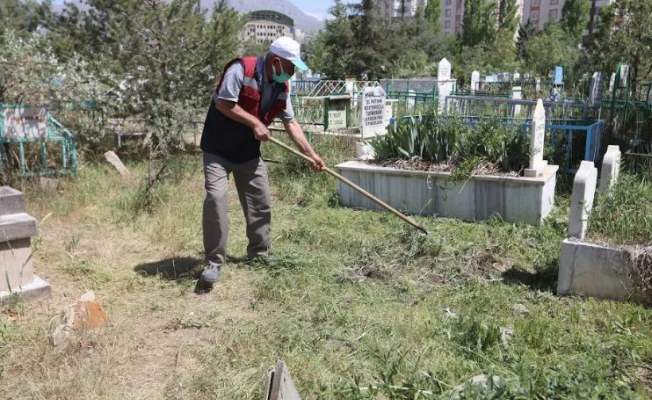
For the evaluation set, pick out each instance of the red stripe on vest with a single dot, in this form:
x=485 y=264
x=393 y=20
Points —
x=250 y=98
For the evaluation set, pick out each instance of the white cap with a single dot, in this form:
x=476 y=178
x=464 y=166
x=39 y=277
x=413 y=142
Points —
x=290 y=49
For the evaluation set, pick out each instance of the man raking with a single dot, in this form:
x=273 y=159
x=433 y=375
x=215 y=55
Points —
x=250 y=94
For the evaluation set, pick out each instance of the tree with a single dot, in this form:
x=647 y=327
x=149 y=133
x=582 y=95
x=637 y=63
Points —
x=167 y=55
x=339 y=42
x=21 y=17
x=478 y=23
x=508 y=16
x=432 y=13
x=624 y=34
x=371 y=57
x=525 y=33
x=550 y=48
x=575 y=17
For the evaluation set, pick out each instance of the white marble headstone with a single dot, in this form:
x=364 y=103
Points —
x=475 y=81
x=444 y=70
x=610 y=168
x=373 y=111
x=537 y=163
x=584 y=185
x=444 y=83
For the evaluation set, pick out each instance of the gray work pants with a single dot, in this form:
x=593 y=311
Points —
x=253 y=190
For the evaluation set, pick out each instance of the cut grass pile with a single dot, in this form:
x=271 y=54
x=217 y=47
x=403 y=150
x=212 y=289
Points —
x=357 y=304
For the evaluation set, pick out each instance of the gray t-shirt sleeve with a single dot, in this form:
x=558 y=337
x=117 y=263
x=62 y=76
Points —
x=232 y=83
x=288 y=114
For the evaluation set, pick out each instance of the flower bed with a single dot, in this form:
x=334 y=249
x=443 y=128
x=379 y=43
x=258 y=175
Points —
x=452 y=170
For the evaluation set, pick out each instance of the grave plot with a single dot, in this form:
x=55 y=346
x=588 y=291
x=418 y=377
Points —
x=462 y=172
x=608 y=252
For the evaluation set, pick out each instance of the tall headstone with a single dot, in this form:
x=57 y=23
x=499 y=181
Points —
x=538 y=87
x=373 y=111
x=475 y=81
x=596 y=90
x=16 y=261
x=559 y=75
x=444 y=82
x=517 y=76
x=584 y=184
x=623 y=76
x=612 y=82
x=610 y=168
x=537 y=163
x=517 y=94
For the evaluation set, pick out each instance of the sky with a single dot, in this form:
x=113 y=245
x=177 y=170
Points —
x=315 y=8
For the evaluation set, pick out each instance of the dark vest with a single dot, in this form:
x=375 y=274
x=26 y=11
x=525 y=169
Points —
x=232 y=140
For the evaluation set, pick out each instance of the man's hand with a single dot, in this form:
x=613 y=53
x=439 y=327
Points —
x=262 y=133
x=319 y=163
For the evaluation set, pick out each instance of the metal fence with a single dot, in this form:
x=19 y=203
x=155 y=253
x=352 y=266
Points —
x=35 y=143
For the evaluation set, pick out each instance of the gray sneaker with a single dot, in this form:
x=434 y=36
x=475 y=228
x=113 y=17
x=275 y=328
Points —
x=209 y=277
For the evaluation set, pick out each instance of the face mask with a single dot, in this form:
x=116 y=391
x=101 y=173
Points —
x=283 y=76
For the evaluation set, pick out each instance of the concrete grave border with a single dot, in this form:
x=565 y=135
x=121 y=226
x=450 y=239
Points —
x=514 y=199
x=591 y=269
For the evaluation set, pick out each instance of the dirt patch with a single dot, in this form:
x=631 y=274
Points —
x=487 y=262
x=419 y=164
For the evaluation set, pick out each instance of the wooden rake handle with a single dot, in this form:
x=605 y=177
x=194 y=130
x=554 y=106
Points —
x=353 y=185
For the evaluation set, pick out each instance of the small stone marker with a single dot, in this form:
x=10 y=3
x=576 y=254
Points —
x=373 y=110
x=16 y=262
x=83 y=315
x=537 y=163
x=279 y=384
x=610 y=168
x=116 y=162
x=48 y=185
x=444 y=83
x=584 y=185
x=517 y=94
x=475 y=81
x=336 y=119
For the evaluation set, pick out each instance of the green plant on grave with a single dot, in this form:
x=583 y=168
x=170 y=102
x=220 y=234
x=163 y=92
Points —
x=452 y=142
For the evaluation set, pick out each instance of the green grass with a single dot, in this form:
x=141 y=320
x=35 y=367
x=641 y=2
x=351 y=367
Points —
x=358 y=304
x=624 y=215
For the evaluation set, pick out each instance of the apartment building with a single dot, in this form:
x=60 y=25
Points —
x=265 y=26
x=542 y=11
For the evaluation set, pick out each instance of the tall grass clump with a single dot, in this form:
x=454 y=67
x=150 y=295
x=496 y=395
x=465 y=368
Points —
x=624 y=214
x=449 y=141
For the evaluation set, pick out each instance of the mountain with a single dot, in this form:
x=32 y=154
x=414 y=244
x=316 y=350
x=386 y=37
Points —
x=301 y=20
